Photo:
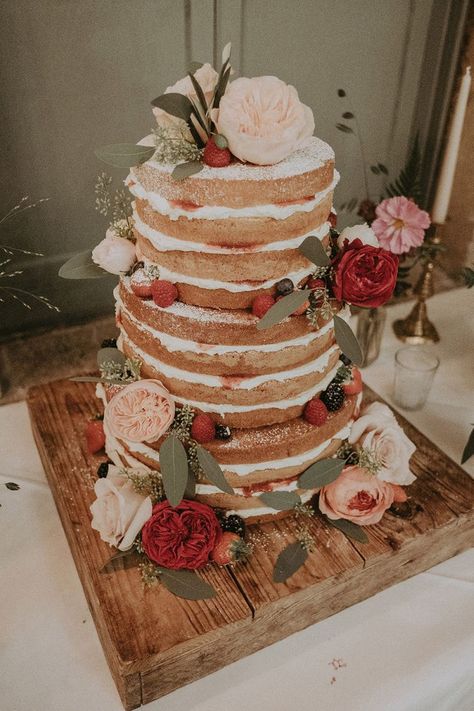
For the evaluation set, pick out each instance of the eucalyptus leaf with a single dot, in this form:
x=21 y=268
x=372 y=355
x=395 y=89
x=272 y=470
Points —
x=212 y=470
x=174 y=104
x=283 y=308
x=226 y=53
x=122 y=560
x=124 y=155
x=81 y=266
x=190 y=490
x=187 y=584
x=468 y=449
x=110 y=355
x=280 y=500
x=12 y=486
x=344 y=128
x=347 y=341
x=174 y=469
x=313 y=250
x=184 y=170
x=221 y=85
x=199 y=92
x=289 y=561
x=321 y=473
x=351 y=530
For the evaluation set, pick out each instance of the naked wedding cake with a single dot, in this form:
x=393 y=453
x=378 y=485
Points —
x=232 y=395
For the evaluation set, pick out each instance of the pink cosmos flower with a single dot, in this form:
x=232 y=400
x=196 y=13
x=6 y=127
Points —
x=140 y=412
x=400 y=224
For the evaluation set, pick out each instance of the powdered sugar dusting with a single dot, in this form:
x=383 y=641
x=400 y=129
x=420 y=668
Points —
x=313 y=154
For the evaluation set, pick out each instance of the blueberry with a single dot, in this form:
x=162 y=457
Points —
x=109 y=343
x=284 y=287
x=223 y=432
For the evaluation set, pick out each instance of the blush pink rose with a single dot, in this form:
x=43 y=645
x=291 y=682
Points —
x=119 y=512
x=400 y=224
x=139 y=412
x=114 y=254
x=206 y=76
x=357 y=496
x=263 y=119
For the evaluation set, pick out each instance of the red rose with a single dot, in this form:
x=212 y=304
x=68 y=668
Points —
x=181 y=537
x=364 y=275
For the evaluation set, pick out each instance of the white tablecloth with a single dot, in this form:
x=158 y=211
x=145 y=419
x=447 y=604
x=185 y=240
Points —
x=409 y=648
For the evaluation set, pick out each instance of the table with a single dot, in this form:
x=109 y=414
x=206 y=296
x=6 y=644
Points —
x=409 y=648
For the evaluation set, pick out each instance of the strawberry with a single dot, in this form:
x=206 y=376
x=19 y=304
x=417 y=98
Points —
x=95 y=437
x=140 y=284
x=214 y=155
x=316 y=412
x=261 y=304
x=164 y=293
x=354 y=386
x=230 y=549
x=203 y=429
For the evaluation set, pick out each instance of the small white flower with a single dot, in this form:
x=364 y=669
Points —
x=114 y=254
x=362 y=232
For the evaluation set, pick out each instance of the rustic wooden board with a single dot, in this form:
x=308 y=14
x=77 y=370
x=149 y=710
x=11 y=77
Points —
x=155 y=642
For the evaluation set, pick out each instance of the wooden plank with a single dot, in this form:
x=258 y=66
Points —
x=155 y=642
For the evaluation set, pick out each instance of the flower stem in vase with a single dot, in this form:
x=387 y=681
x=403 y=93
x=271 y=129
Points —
x=370 y=325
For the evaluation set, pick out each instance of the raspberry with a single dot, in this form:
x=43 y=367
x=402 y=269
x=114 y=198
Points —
x=164 y=293
x=141 y=283
x=333 y=397
x=261 y=304
x=203 y=429
x=354 y=386
x=316 y=412
x=214 y=156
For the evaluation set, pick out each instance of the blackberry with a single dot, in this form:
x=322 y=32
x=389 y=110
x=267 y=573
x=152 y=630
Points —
x=109 y=343
x=333 y=397
x=102 y=470
x=223 y=432
x=235 y=524
x=345 y=359
x=284 y=287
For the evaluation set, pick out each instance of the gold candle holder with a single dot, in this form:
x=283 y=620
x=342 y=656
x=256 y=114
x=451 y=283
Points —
x=416 y=328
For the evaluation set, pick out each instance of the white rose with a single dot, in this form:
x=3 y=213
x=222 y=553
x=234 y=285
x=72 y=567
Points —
x=377 y=429
x=119 y=513
x=206 y=76
x=362 y=232
x=114 y=254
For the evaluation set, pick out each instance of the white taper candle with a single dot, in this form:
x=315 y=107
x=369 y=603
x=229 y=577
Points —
x=448 y=166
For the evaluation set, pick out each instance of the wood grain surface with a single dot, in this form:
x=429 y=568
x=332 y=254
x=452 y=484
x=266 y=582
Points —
x=155 y=642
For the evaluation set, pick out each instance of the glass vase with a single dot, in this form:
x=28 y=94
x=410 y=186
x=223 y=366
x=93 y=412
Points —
x=370 y=325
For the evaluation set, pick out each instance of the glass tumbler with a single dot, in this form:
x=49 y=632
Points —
x=415 y=368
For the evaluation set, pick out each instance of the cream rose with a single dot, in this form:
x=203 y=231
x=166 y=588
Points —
x=263 y=119
x=357 y=496
x=119 y=513
x=114 y=254
x=378 y=430
x=206 y=76
x=139 y=412
x=362 y=232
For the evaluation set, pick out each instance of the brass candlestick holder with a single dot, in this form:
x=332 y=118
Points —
x=416 y=328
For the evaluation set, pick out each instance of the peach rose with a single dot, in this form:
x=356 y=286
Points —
x=362 y=232
x=378 y=430
x=357 y=496
x=139 y=412
x=119 y=513
x=114 y=254
x=263 y=119
x=206 y=77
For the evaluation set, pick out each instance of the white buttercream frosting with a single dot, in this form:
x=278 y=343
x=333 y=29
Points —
x=221 y=212
x=214 y=381
x=165 y=243
x=232 y=286
x=265 y=510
